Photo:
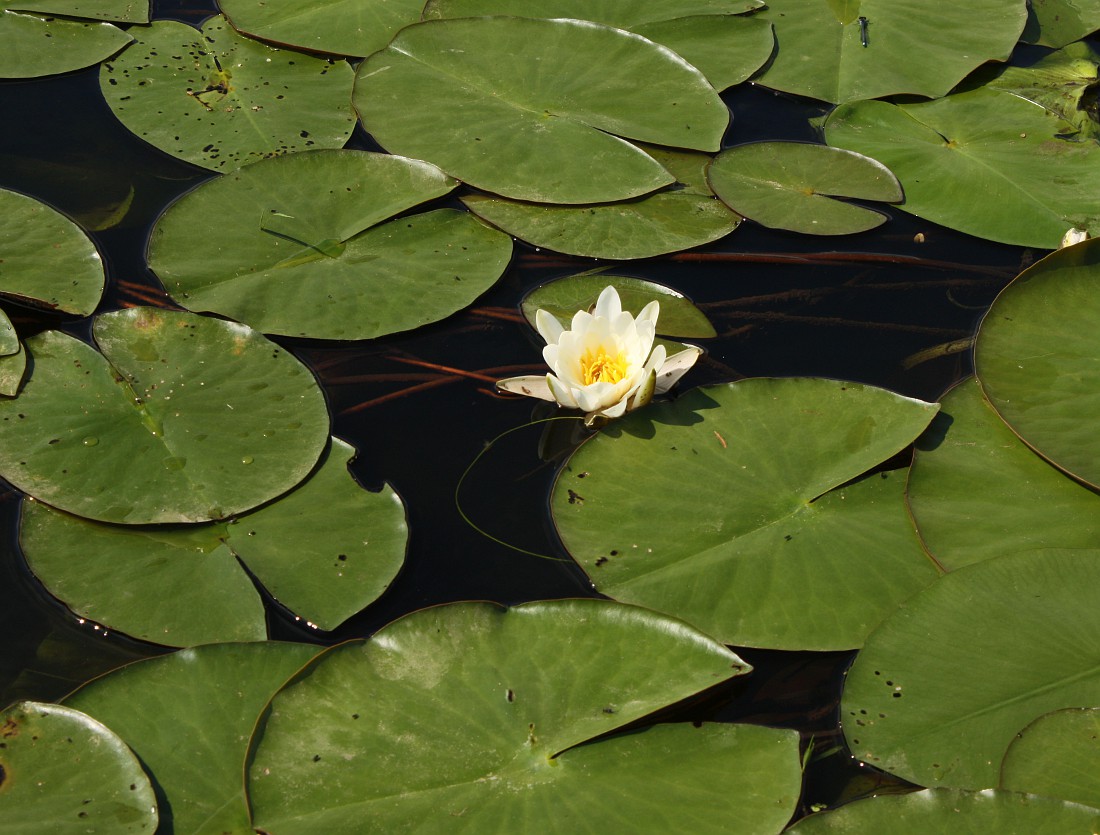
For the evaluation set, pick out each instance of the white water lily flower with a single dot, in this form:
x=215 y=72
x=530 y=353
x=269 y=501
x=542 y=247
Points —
x=605 y=363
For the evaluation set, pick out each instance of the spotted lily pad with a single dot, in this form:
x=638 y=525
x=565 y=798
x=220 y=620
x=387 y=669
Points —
x=117 y=11
x=35 y=44
x=1056 y=23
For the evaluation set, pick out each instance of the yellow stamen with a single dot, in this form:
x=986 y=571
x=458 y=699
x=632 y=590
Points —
x=598 y=367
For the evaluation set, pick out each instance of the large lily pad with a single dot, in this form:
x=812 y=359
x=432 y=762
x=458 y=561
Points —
x=476 y=713
x=63 y=773
x=188 y=716
x=180 y=419
x=696 y=507
x=297 y=245
x=625 y=14
x=1057 y=755
x=842 y=51
x=32 y=45
x=1036 y=357
x=984 y=162
x=977 y=492
x=47 y=261
x=220 y=100
x=529 y=123
x=945 y=683
x=794 y=186
x=679 y=217
x=118 y=11
x=1056 y=23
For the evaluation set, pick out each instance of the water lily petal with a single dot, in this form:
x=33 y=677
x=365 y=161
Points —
x=676 y=367
x=656 y=360
x=548 y=326
x=530 y=386
x=649 y=312
x=608 y=304
x=644 y=394
x=598 y=396
x=561 y=393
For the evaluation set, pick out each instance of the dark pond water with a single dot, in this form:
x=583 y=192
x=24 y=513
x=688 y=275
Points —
x=857 y=308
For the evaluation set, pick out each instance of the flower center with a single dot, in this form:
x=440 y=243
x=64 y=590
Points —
x=598 y=367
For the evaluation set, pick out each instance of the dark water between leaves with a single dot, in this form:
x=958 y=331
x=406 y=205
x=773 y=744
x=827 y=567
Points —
x=860 y=308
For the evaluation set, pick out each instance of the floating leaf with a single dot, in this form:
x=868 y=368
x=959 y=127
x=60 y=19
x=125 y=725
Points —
x=296 y=245
x=984 y=162
x=957 y=812
x=944 y=684
x=529 y=124
x=34 y=45
x=842 y=51
x=12 y=369
x=977 y=492
x=63 y=773
x=625 y=14
x=772 y=454
x=180 y=419
x=220 y=100
x=119 y=11
x=793 y=185
x=679 y=217
x=1057 y=755
x=47 y=259
x=1036 y=356
x=188 y=716
x=1056 y=23
x=366 y=735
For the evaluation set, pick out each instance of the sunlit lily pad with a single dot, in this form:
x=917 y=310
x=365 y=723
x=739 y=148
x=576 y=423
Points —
x=47 y=260
x=1036 y=357
x=296 y=245
x=984 y=162
x=529 y=123
x=841 y=51
x=794 y=186
x=220 y=100
x=64 y=773
x=944 y=684
x=32 y=44
x=492 y=716
x=1056 y=23
x=679 y=217
x=180 y=419
x=1057 y=755
x=188 y=716
x=625 y=14
x=978 y=492
x=695 y=507
x=957 y=812
x=118 y=11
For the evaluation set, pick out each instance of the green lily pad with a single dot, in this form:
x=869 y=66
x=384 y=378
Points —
x=957 y=812
x=12 y=369
x=977 y=492
x=909 y=48
x=188 y=716
x=296 y=245
x=48 y=260
x=944 y=684
x=118 y=11
x=1056 y=23
x=794 y=186
x=529 y=123
x=631 y=509
x=676 y=218
x=33 y=45
x=563 y=297
x=367 y=734
x=63 y=773
x=180 y=419
x=336 y=27
x=220 y=100
x=1057 y=755
x=624 y=14
x=984 y=162
x=1036 y=357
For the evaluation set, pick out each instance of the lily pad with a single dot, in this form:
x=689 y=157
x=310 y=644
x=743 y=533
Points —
x=48 y=260
x=118 y=11
x=563 y=297
x=1057 y=755
x=1056 y=23
x=33 y=45
x=367 y=733
x=529 y=123
x=632 y=510
x=188 y=716
x=944 y=684
x=624 y=14
x=63 y=773
x=296 y=245
x=794 y=186
x=180 y=419
x=984 y=162
x=12 y=369
x=1036 y=357
x=957 y=812
x=841 y=51
x=679 y=217
x=978 y=492
x=220 y=100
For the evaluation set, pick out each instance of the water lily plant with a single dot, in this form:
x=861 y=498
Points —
x=605 y=363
